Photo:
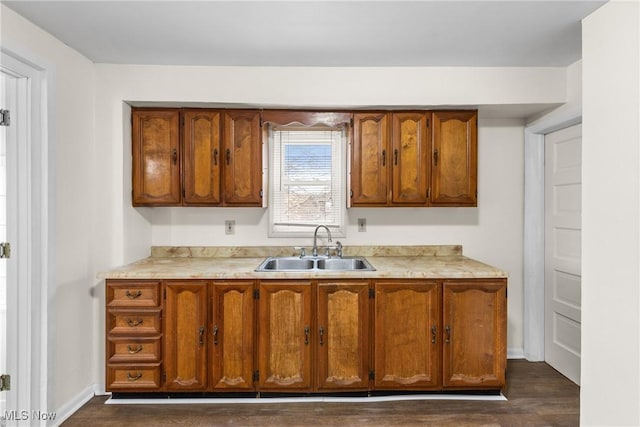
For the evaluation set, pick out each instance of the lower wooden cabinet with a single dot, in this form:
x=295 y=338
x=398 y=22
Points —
x=407 y=335
x=475 y=334
x=305 y=336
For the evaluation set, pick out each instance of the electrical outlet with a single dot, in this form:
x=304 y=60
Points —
x=230 y=226
x=362 y=225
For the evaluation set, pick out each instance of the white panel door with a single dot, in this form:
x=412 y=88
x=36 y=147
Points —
x=563 y=290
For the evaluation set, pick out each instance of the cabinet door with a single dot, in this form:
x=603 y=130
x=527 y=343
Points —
x=475 y=327
x=242 y=158
x=156 y=157
x=370 y=158
x=185 y=351
x=343 y=335
x=232 y=336
x=410 y=145
x=284 y=336
x=455 y=159
x=201 y=141
x=407 y=345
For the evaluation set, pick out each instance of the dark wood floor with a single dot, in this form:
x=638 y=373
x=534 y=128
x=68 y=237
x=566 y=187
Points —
x=537 y=396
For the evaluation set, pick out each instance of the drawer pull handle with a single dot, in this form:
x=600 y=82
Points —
x=134 y=322
x=395 y=157
x=434 y=331
x=134 y=295
x=201 y=336
x=134 y=377
x=174 y=156
x=447 y=330
x=215 y=156
x=134 y=350
x=215 y=335
x=321 y=335
x=228 y=155
x=306 y=335
x=384 y=157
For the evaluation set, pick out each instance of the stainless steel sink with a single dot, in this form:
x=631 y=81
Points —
x=348 y=263
x=315 y=263
x=286 y=263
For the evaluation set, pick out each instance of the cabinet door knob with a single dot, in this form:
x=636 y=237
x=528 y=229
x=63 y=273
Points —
x=134 y=377
x=395 y=157
x=174 y=156
x=134 y=322
x=447 y=331
x=215 y=335
x=133 y=295
x=321 y=335
x=306 y=335
x=435 y=157
x=384 y=157
x=228 y=156
x=132 y=350
x=215 y=157
x=434 y=331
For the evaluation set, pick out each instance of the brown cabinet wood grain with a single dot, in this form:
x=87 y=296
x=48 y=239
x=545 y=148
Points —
x=410 y=144
x=342 y=335
x=196 y=157
x=454 y=158
x=185 y=351
x=202 y=157
x=232 y=335
x=475 y=327
x=243 y=158
x=284 y=336
x=390 y=159
x=133 y=335
x=407 y=345
x=370 y=159
x=156 y=157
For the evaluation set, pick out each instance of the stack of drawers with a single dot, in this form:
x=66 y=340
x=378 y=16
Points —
x=134 y=329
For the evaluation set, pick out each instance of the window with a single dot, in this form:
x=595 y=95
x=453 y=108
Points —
x=307 y=179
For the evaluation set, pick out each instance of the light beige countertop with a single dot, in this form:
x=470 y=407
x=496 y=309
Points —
x=391 y=262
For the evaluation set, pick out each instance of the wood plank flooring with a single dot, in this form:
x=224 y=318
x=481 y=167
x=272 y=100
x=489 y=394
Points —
x=537 y=396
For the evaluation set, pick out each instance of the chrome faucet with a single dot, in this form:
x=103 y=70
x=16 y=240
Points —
x=315 y=238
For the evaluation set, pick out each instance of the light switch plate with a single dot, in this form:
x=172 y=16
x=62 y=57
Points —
x=362 y=225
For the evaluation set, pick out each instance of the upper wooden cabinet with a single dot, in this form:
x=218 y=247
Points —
x=156 y=157
x=410 y=143
x=370 y=159
x=202 y=151
x=196 y=157
x=390 y=159
x=455 y=158
x=242 y=158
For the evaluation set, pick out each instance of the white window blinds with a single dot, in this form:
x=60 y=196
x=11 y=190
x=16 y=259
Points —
x=306 y=175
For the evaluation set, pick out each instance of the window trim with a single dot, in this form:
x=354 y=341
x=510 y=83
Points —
x=309 y=119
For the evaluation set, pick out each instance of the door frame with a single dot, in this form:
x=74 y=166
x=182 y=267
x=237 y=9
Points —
x=31 y=249
x=534 y=206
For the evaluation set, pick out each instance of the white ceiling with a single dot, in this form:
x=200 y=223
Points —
x=317 y=33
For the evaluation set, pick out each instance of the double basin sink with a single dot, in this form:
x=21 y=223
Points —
x=315 y=263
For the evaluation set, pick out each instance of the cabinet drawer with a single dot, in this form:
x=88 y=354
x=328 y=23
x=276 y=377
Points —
x=133 y=294
x=133 y=377
x=133 y=322
x=133 y=349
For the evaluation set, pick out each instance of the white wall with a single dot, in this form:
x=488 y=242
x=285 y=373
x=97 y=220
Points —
x=72 y=310
x=610 y=392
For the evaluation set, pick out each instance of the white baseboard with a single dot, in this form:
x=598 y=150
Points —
x=515 y=353
x=69 y=408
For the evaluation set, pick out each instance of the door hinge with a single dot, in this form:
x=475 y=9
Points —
x=5 y=382
x=372 y=375
x=256 y=376
x=372 y=293
x=5 y=250
x=5 y=118
x=256 y=294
